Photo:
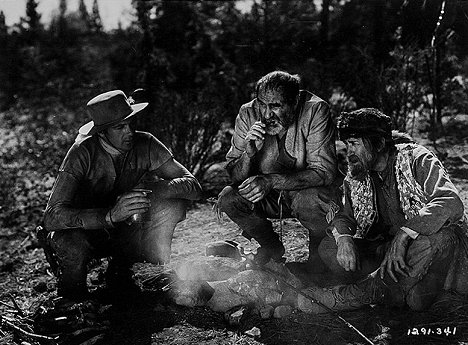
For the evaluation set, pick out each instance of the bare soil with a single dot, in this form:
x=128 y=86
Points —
x=150 y=318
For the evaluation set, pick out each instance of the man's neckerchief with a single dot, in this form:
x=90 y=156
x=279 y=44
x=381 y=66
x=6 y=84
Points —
x=412 y=196
x=117 y=156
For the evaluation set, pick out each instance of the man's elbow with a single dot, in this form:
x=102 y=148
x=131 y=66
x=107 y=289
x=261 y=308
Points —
x=328 y=175
x=49 y=219
x=197 y=194
x=458 y=209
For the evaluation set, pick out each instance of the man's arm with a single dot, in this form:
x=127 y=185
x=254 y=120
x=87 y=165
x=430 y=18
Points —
x=444 y=204
x=246 y=141
x=61 y=212
x=177 y=182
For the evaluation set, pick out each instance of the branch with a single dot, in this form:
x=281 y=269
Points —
x=26 y=333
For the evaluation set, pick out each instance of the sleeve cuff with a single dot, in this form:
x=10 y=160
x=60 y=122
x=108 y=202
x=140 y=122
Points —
x=109 y=220
x=411 y=233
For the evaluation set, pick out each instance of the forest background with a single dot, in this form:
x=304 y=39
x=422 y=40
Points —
x=199 y=61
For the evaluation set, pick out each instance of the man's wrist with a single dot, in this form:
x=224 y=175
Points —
x=109 y=220
x=340 y=237
x=411 y=233
x=249 y=156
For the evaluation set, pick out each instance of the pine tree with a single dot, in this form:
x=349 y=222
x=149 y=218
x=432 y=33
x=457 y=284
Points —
x=96 y=22
x=62 y=22
x=84 y=15
x=3 y=26
x=31 y=23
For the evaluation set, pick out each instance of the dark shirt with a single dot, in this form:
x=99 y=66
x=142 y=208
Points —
x=89 y=183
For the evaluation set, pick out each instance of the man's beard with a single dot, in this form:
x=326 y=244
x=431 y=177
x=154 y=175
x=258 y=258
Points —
x=275 y=126
x=359 y=166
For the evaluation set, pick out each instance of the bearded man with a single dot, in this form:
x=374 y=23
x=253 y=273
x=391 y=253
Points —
x=282 y=163
x=110 y=178
x=402 y=220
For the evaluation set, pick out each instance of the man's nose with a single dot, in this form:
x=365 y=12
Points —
x=268 y=113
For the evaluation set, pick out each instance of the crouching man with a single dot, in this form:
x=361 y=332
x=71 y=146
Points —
x=402 y=219
x=282 y=163
x=107 y=183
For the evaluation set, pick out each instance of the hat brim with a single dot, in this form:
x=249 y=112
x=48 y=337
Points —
x=90 y=129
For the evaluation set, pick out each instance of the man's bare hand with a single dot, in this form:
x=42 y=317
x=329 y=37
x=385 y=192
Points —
x=394 y=260
x=128 y=204
x=347 y=254
x=255 y=137
x=255 y=188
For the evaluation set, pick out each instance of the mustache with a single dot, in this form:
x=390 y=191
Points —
x=353 y=159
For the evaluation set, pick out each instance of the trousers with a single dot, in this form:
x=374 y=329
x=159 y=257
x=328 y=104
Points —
x=149 y=241
x=310 y=206
x=428 y=258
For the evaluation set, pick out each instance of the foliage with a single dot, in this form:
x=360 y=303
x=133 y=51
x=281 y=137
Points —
x=199 y=61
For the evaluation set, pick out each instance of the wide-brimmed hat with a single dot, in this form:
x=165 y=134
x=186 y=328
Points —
x=364 y=122
x=108 y=109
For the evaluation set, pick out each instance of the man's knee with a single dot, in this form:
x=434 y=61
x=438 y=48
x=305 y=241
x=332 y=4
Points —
x=72 y=247
x=168 y=211
x=310 y=206
x=231 y=202
x=327 y=251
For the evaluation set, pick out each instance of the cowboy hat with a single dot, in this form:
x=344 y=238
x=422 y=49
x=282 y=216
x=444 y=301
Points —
x=108 y=109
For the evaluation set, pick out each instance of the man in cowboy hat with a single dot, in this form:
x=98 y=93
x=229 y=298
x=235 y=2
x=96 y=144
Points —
x=109 y=178
x=402 y=220
x=282 y=163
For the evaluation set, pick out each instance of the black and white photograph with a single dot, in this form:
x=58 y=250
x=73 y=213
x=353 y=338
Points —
x=233 y=172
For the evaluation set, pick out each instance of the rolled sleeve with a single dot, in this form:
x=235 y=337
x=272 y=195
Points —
x=238 y=143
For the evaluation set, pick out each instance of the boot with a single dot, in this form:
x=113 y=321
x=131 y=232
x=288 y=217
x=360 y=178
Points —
x=51 y=256
x=342 y=297
x=272 y=251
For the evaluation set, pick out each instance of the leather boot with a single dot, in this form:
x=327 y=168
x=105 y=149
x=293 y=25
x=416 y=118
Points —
x=271 y=251
x=342 y=297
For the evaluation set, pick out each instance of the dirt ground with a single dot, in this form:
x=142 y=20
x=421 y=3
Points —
x=150 y=318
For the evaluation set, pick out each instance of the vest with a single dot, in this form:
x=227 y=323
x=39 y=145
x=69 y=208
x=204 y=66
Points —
x=412 y=196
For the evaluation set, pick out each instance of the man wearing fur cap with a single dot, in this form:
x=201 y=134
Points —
x=110 y=178
x=402 y=219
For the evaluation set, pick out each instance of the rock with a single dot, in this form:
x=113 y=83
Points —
x=266 y=312
x=191 y=293
x=254 y=287
x=227 y=249
x=223 y=298
x=209 y=268
x=215 y=179
x=282 y=311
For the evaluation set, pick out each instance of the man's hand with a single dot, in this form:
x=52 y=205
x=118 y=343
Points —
x=255 y=188
x=347 y=255
x=128 y=204
x=255 y=137
x=394 y=260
